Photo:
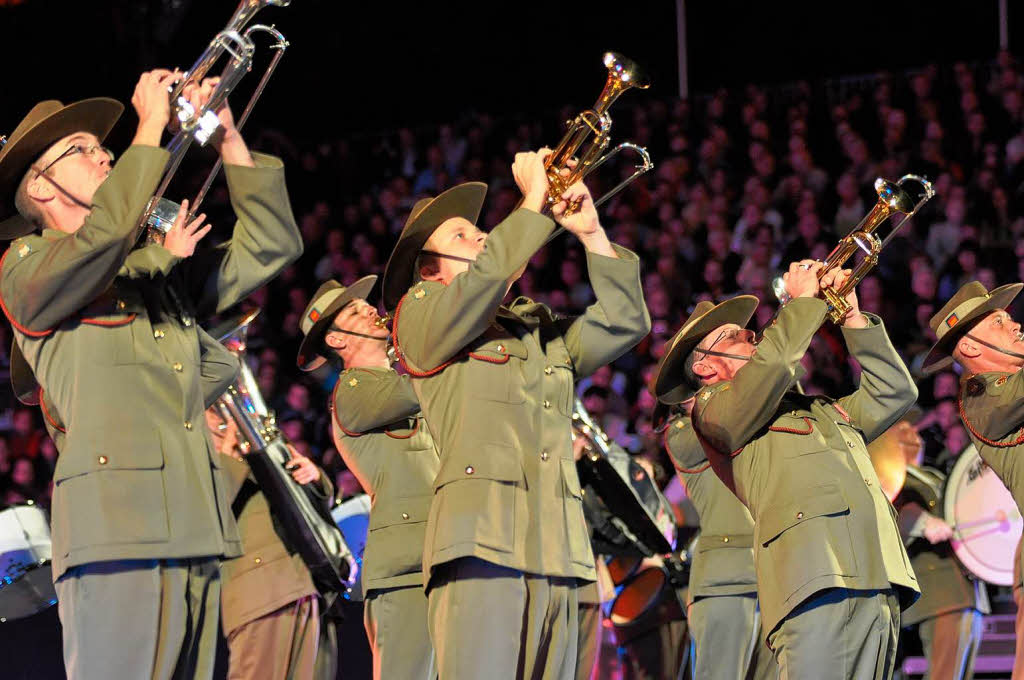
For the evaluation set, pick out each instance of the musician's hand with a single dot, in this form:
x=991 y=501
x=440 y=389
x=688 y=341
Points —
x=835 y=279
x=228 y=141
x=802 y=278
x=151 y=102
x=579 y=446
x=181 y=238
x=936 y=530
x=531 y=177
x=304 y=471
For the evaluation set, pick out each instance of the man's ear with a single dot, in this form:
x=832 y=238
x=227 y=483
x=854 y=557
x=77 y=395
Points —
x=38 y=189
x=335 y=340
x=703 y=369
x=967 y=348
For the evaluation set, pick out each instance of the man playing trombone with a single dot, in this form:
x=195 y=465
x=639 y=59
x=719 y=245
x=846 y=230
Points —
x=506 y=544
x=832 y=573
x=140 y=511
x=974 y=330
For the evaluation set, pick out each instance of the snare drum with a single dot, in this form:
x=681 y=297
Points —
x=26 y=585
x=353 y=519
x=986 y=521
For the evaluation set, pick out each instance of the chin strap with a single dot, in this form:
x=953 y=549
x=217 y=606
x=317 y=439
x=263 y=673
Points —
x=448 y=257
x=361 y=335
x=73 y=199
x=1015 y=355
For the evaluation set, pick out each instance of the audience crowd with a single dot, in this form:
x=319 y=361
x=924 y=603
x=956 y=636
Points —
x=745 y=181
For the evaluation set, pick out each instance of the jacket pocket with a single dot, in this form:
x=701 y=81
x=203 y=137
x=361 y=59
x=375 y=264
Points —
x=575 y=524
x=493 y=375
x=808 y=538
x=477 y=497
x=394 y=544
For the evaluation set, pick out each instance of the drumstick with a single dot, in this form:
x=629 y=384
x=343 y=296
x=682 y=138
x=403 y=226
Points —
x=1000 y=517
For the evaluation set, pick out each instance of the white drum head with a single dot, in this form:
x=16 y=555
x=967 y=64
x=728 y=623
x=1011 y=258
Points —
x=986 y=521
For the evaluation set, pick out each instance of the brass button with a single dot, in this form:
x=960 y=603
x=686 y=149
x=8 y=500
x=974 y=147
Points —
x=120 y=304
x=469 y=470
x=543 y=455
x=931 y=504
x=867 y=481
x=849 y=443
x=725 y=539
x=188 y=424
x=680 y=424
x=546 y=404
x=799 y=515
x=178 y=367
x=405 y=515
x=548 y=370
x=258 y=560
x=501 y=348
x=158 y=334
x=102 y=460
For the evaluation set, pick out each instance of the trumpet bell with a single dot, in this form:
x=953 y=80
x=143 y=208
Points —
x=626 y=70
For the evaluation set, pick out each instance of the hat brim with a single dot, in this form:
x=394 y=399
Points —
x=23 y=380
x=669 y=384
x=465 y=200
x=309 y=358
x=940 y=357
x=96 y=116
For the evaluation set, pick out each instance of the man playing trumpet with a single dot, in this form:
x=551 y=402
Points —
x=140 y=509
x=506 y=543
x=974 y=330
x=832 y=573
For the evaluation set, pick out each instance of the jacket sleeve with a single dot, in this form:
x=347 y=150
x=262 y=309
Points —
x=265 y=240
x=886 y=389
x=728 y=415
x=996 y=408
x=431 y=328
x=53 y=279
x=617 y=321
x=366 y=400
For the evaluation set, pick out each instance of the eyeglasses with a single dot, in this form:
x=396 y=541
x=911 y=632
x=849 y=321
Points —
x=91 y=150
x=733 y=335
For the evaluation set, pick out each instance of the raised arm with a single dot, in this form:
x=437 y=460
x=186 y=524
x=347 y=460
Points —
x=617 y=321
x=886 y=389
x=265 y=240
x=46 y=279
x=729 y=414
x=365 y=400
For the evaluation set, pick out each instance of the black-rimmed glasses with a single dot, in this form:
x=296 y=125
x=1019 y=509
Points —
x=89 y=150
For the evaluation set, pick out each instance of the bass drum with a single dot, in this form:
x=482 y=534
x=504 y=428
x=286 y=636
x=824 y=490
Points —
x=353 y=519
x=26 y=584
x=986 y=522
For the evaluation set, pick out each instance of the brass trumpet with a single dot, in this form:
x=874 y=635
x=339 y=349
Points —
x=623 y=74
x=201 y=125
x=893 y=198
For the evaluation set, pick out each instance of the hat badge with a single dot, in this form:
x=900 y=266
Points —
x=314 y=315
x=952 y=320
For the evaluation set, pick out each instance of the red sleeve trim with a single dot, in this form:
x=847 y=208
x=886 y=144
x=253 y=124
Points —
x=7 y=313
x=415 y=429
x=46 y=413
x=95 y=321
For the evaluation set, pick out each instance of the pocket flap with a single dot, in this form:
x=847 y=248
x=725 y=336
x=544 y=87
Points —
x=705 y=543
x=496 y=462
x=401 y=510
x=817 y=502
x=123 y=453
x=571 y=477
x=499 y=349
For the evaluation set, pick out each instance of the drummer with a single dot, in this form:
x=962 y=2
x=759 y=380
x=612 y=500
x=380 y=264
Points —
x=974 y=330
x=949 y=613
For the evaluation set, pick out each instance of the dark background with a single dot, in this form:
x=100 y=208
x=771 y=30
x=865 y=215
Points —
x=356 y=67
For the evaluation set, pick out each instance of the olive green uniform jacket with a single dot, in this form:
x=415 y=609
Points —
x=382 y=437
x=723 y=559
x=117 y=351
x=496 y=386
x=992 y=408
x=800 y=464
